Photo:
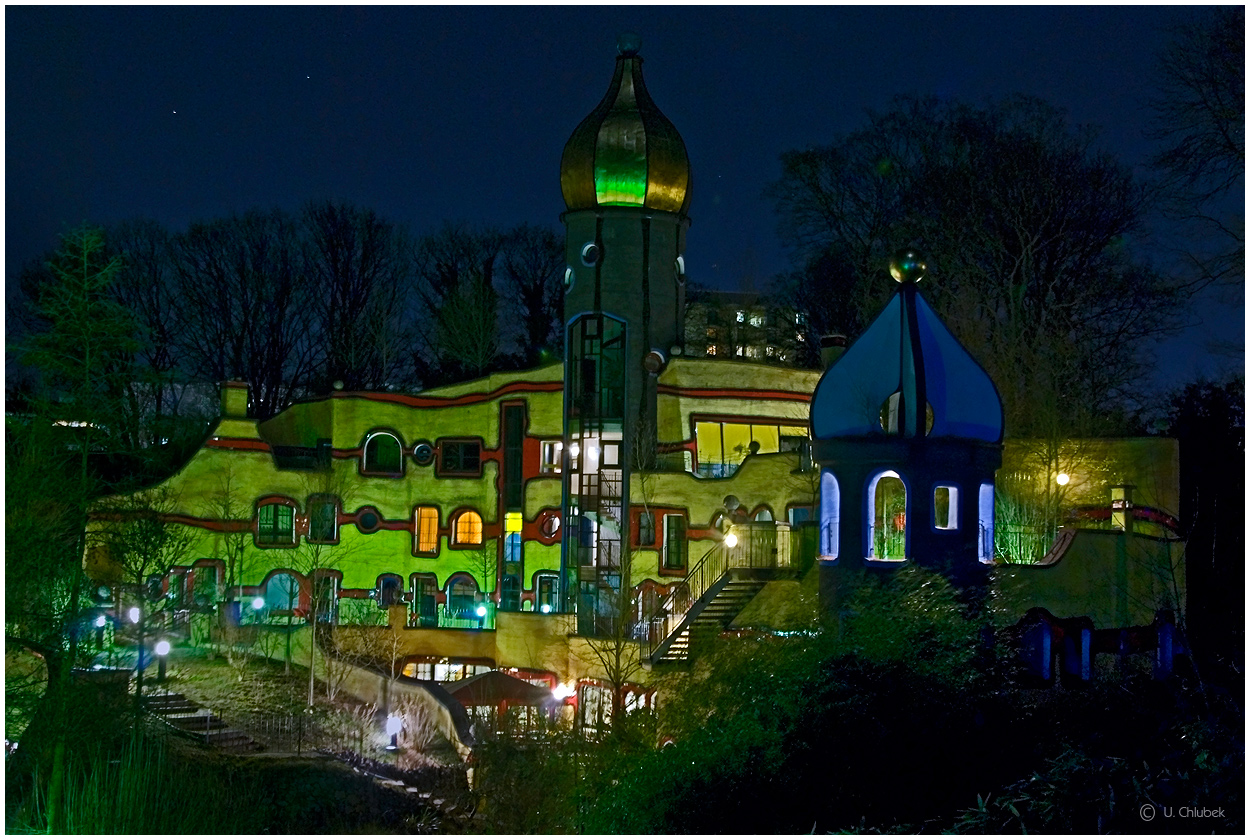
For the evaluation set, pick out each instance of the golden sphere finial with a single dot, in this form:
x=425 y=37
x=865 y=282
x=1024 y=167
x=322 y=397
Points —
x=908 y=266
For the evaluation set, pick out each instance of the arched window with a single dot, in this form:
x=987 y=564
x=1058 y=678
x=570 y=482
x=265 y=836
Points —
x=887 y=517
x=282 y=592
x=389 y=589
x=985 y=515
x=764 y=515
x=383 y=454
x=462 y=597
x=830 y=515
x=467 y=530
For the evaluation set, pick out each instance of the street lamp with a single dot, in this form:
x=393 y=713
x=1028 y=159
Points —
x=258 y=603
x=731 y=539
x=162 y=652
x=134 y=615
x=1062 y=479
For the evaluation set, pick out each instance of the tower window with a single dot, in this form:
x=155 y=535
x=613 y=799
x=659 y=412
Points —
x=887 y=531
x=946 y=507
x=590 y=254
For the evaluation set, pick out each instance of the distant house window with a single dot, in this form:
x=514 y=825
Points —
x=946 y=507
x=383 y=454
x=275 y=525
x=711 y=349
x=552 y=451
x=646 y=528
x=757 y=319
x=323 y=519
x=674 y=541
x=741 y=316
x=467 y=529
x=460 y=457
x=427 y=530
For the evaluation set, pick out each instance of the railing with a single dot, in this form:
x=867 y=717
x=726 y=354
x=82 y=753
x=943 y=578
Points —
x=463 y=619
x=758 y=548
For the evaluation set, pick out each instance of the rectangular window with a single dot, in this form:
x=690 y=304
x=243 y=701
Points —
x=946 y=507
x=547 y=594
x=323 y=516
x=799 y=515
x=460 y=457
x=646 y=529
x=674 y=541
x=427 y=530
x=552 y=450
x=275 y=525
x=425 y=602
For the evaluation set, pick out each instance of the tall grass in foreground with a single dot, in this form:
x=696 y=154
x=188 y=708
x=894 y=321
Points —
x=142 y=790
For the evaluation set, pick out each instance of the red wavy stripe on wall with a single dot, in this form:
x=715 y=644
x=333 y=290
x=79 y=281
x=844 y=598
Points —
x=446 y=402
x=734 y=393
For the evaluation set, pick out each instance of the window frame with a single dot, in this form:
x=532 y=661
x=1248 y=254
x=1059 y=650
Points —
x=952 y=507
x=315 y=501
x=417 y=548
x=454 y=537
x=445 y=448
x=258 y=535
x=649 y=517
x=667 y=566
x=370 y=438
x=546 y=450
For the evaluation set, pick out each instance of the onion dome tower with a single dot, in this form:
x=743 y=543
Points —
x=907 y=429
x=625 y=176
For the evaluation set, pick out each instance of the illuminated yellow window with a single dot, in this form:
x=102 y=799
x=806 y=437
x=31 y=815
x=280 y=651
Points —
x=427 y=530
x=468 y=530
x=512 y=522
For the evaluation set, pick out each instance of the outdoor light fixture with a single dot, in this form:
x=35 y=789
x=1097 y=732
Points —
x=101 y=621
x=731 y=539
x=392 y=729
x=575 y=449
x=162 y=651
x=545 y=608
x=134 y=615
x=1062 y=479
x=258 y=603
x=481 y=611
x=562 y=691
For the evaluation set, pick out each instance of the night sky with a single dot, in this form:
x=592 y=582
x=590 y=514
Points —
x=427 y=114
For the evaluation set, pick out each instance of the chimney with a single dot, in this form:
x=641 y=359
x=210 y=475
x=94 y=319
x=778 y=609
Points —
x=234 y=400
x=1122 y=507
x=831 y=349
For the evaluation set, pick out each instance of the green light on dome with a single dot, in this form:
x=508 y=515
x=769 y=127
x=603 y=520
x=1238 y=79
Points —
x=621 y=162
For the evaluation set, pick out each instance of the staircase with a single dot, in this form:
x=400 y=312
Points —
x=197 y=723
x=716 y=590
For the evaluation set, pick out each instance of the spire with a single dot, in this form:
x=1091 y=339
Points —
x=625 y=152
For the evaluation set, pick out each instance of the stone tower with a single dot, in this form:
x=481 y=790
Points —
x=625 y=176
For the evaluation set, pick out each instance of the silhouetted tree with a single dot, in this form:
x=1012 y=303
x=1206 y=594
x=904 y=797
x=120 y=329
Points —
x=1026 y=227
x=1200 y=114
x=533 y=267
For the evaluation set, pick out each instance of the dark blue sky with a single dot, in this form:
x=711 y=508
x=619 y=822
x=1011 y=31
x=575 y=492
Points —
x=426 y=114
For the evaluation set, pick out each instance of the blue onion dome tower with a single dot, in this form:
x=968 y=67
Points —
x=625 y=176
x=907 y=429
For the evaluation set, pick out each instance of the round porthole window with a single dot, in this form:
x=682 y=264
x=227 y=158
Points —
x=590 y=254
x=423 y=454
x=550 y=526
x=368 y=520
x=569 y=277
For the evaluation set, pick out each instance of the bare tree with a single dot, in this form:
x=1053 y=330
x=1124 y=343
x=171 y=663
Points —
x=361 y=283
x=533 y=266
x=243 y=283
x=1024 y=223
x=1200 y=114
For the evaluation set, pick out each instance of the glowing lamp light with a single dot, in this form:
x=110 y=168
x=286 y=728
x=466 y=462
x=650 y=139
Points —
x=258 y=603
x=731 y=540
x=1062 y=479
x=575 y=449
x=134 y=615
x=162 y=648
x=481 y=611
x=545 y=608
x=562 y=691
x=393 y=725
x=101 y=621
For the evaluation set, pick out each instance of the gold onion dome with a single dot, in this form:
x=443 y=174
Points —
x=626 y=153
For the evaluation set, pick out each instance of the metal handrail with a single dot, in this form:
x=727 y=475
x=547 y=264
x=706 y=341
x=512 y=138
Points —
x=664 y=619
